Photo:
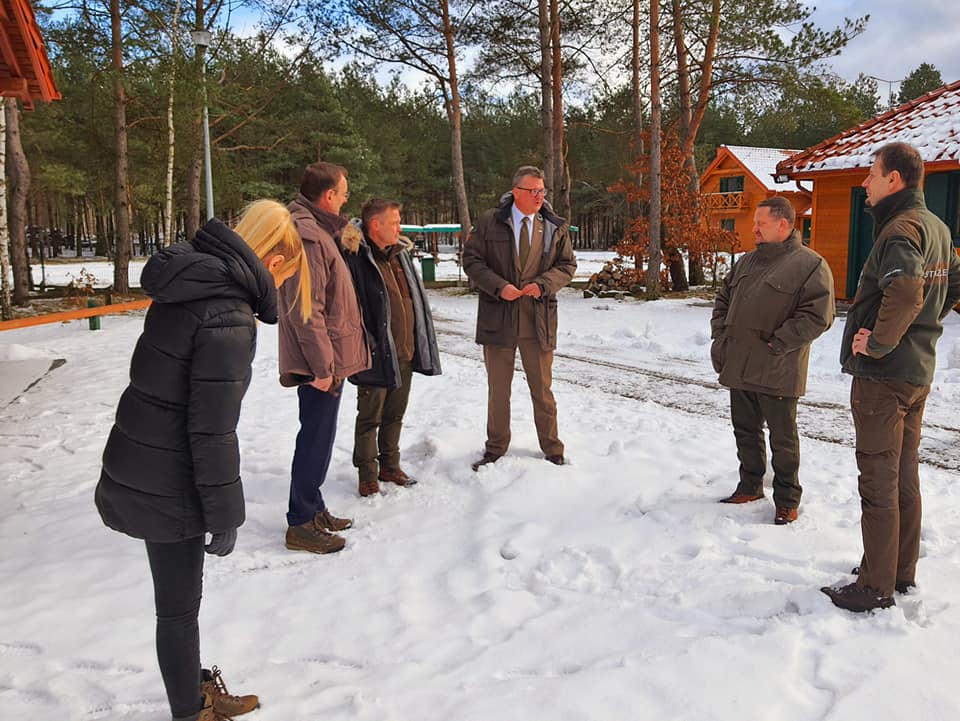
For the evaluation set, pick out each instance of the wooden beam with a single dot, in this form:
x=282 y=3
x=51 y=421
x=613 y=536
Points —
x=13 y=87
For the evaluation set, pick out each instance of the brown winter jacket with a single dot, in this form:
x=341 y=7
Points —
x=332 y=342
x=772 y=305
x=490 y=261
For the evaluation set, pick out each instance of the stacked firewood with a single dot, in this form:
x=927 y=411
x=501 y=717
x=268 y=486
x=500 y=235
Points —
x=614 y=281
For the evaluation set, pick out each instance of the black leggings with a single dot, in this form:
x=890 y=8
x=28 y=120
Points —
x=177 y=570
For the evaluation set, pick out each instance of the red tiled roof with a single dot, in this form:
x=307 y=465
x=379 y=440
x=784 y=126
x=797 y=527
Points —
x=24 y=68
x=931 y=124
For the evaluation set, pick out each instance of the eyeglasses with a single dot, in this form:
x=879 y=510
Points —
x=535 y=192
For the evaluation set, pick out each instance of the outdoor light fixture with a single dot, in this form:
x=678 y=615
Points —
x=781 y=178
x=201 y=41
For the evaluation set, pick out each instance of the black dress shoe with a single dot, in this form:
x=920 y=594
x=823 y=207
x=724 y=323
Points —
x=487 y=458
x=556 y=460
x=856 y=599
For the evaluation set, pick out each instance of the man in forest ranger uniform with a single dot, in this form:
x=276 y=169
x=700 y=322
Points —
x=770 y=308
x=519 y=255
x=909 y=282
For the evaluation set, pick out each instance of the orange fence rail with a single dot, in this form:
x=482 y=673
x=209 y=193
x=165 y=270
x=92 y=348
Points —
x=78 y=314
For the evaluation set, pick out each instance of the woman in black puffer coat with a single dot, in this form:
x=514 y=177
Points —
x=171 y=467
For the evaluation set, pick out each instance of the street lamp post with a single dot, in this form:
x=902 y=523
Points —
x=201 y=41
x=890 y=101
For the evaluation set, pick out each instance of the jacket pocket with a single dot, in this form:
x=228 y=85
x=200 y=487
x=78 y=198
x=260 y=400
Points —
x=776 y=303
x=718 y=353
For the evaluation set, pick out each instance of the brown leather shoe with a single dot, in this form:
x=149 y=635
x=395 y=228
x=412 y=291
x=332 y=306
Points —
x=858 y=600
x=310 y=536
x=556 y=460
x=368 y=487
x=784 y=516
x=396 y=475
x=741 y=498
x=222 y=701
x=328 y=522
x=488 y=457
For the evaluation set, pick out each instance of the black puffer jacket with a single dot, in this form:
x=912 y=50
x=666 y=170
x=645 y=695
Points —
x=171 y=468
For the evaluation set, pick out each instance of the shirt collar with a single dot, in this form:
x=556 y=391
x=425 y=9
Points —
x=518 y=218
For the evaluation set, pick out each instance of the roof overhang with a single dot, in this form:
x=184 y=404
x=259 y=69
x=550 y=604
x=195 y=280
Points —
x=24 y=68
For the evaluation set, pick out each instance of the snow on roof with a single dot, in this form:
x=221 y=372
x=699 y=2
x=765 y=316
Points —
x=762 y=162
x=931 y=124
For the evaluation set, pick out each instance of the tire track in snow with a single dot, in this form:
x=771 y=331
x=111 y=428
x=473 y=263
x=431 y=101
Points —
x=820 y=420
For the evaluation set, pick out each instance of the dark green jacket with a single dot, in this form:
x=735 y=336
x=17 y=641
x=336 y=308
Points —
x=771 y=306
x=910 y=281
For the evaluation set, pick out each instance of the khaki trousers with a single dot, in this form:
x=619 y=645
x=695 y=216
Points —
x=538 y=367
x=887 y=416
x=376 y=440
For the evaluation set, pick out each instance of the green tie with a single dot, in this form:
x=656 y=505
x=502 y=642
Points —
x=524 y=242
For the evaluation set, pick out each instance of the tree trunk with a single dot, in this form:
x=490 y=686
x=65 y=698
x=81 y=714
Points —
x=121 y=262
x=454 y=115
x=561 y=178
x=546 y=91
x=18 y=189
x=171 y=133
x=192 y=219
x=6 y=307
x=636 y=207
x=653 y=269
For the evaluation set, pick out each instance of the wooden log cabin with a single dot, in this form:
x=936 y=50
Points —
x=739 y=178
x=841 y=231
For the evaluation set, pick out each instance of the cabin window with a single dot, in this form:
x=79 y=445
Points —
x=732 y=184
x=727 y=224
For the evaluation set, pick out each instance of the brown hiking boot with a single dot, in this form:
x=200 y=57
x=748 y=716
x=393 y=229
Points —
x=488 y=457
x=311 y=536
x=859 y=600
x=207 y=713
x=784 y=516
x=222 y=701
x=368 y=487
x=396 y=475
x=328 y=522
x=741 y=498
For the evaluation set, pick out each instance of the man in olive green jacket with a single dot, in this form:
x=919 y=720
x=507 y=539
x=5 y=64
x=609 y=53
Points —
x=910 y=281
x=772 y=305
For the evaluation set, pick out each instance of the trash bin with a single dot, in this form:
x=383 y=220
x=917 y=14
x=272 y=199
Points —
x=94 y=320
x=428 y=266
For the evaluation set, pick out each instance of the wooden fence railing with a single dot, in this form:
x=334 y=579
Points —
x=78 y=314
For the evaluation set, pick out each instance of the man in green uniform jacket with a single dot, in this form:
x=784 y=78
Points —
x=910 y=281
x=770 y=308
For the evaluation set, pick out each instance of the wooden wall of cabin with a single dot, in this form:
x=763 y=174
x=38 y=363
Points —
x=830 y=224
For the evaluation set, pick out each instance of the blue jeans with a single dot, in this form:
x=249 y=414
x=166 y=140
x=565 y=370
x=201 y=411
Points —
x=311 y=459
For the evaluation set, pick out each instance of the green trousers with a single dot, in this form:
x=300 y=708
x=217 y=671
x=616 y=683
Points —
x=376 y=440
x=749 y=411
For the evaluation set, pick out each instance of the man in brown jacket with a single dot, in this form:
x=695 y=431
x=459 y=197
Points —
x=519 y=255
x=319 y=354
x=771 y=306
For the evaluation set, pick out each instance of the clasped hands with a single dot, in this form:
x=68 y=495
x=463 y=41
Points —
x=511 y=292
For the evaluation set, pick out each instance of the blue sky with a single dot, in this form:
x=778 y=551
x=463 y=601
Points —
x=900 y=35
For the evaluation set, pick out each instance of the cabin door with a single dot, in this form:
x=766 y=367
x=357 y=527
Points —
x=861 y=238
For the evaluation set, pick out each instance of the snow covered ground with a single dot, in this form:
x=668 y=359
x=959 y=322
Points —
x=613 y=588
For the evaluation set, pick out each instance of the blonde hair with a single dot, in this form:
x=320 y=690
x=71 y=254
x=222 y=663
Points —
x=268 y=229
